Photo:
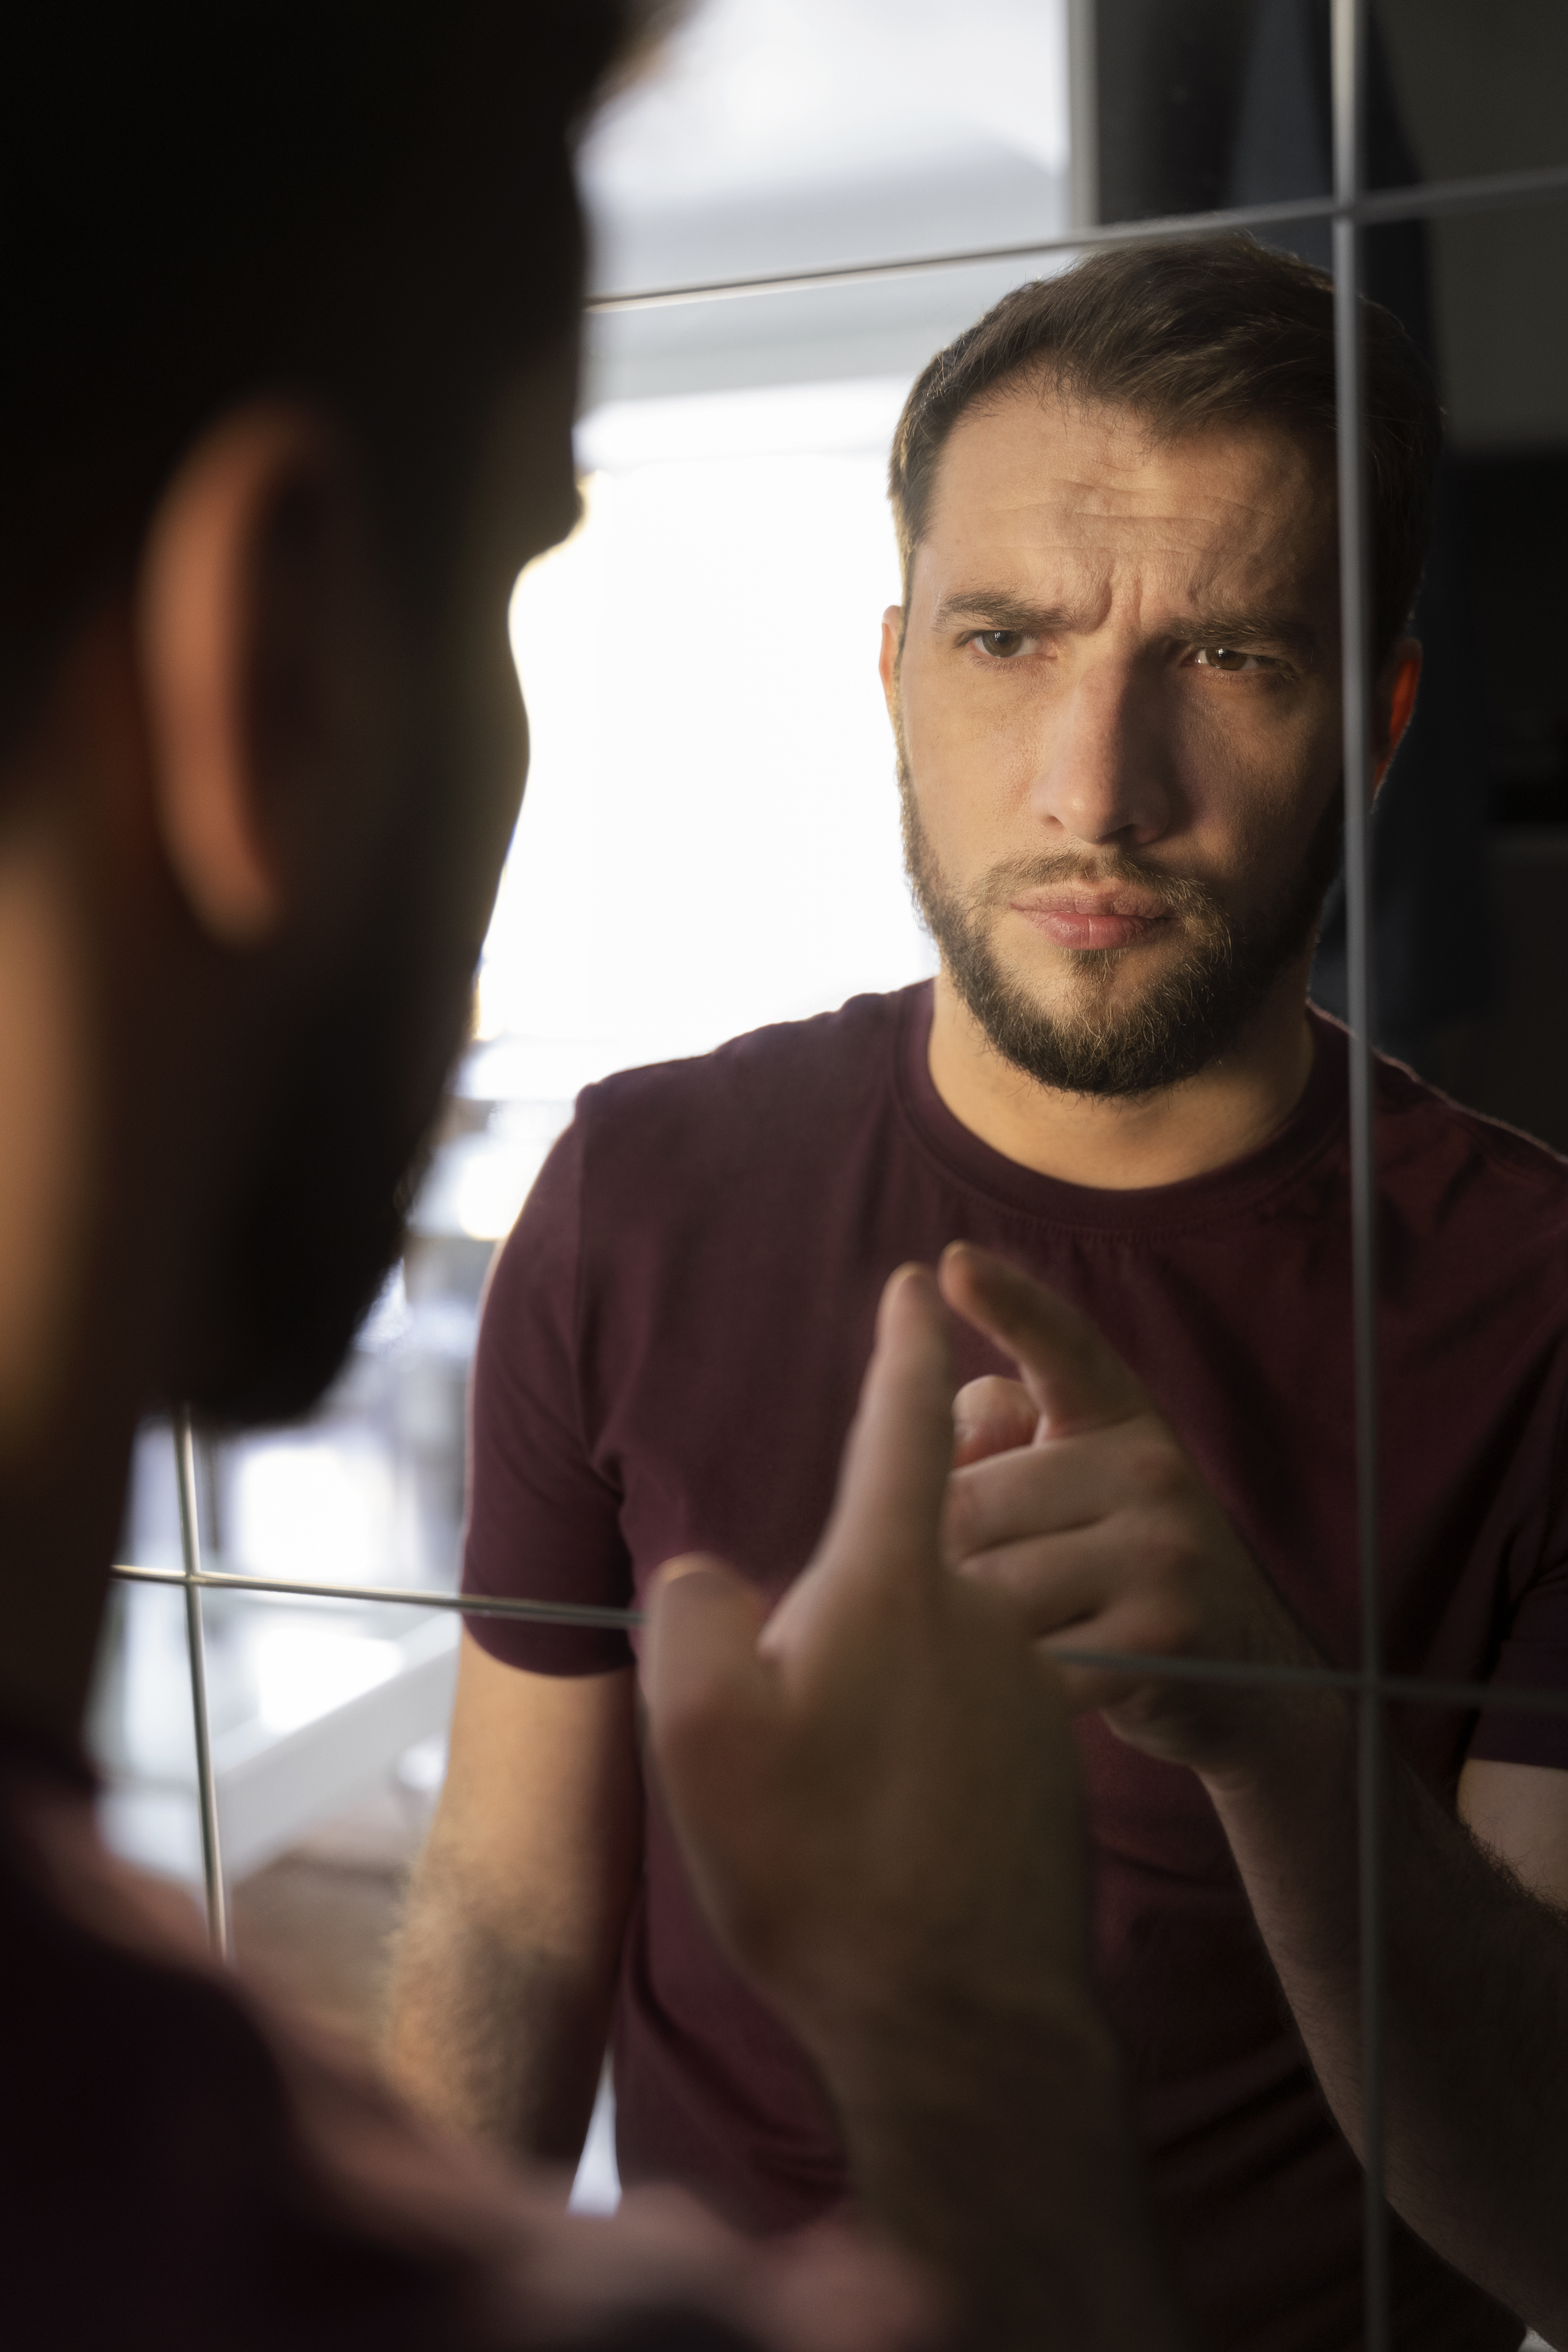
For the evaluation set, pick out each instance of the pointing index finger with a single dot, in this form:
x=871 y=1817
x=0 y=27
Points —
x=1076 y=1381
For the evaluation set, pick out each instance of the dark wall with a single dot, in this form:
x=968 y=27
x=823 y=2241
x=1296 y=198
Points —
x=1517 y=514
x=1169 y=75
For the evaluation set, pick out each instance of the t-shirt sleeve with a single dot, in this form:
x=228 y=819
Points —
x=1534 y=1656
x=1534 y=1651
x=543 y=1523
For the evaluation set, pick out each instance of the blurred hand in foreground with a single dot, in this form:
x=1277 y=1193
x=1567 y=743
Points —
x=876 y=1792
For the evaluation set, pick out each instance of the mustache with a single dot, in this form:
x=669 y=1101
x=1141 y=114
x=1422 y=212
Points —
x=1175 y=894
x=1179 y=895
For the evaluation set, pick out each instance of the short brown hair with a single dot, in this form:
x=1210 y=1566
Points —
x=1198 y=331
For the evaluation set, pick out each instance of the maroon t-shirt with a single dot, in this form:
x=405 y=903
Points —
x=183 y=2169
x=671 y=1349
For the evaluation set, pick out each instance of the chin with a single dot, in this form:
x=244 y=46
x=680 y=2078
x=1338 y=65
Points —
x=297 y=1284
x=321 y=1216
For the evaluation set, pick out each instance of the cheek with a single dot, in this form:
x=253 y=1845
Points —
x=1254 y=777
x=973 y=756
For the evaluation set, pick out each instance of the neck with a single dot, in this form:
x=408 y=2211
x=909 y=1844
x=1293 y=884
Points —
x=1122 y=1144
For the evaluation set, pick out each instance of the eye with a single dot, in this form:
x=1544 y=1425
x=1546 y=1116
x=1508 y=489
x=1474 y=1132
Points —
x=1001 y=645
x=1226 y=657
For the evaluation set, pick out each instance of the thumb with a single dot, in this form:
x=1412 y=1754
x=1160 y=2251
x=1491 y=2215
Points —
x=1075 y=1381
x=900 y=1451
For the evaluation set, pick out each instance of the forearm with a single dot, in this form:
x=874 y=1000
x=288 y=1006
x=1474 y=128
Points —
x=1001 y=2154
x=494 y=2035
x=1476 y=2006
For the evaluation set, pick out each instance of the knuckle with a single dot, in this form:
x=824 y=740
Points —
x=1171 y=1555
x=1167 y=1626
x=1176 y=1568
x=1169 y=1591
x=1019 y=1571
x=1156 y=1471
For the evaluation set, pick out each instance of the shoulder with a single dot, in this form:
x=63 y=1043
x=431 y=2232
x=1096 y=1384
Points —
x=1492 y=1201
x=699 y=1165
x=1428 y=1142
x=1425 y=1129
x=795 y=1084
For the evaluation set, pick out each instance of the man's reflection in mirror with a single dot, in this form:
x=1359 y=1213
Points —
x=1114 y=681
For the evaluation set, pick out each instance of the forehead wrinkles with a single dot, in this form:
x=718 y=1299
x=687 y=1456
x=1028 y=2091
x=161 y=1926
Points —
x=1029 y=484
x=1093 y=565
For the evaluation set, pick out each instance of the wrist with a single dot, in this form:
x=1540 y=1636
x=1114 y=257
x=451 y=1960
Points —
x=1298 y=1747
x=1288 y=1811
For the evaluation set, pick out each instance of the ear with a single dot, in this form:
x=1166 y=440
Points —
x=1394 y=704
x=250 y=603
x=888 y=660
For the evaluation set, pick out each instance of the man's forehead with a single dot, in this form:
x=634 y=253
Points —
x=1031 y=480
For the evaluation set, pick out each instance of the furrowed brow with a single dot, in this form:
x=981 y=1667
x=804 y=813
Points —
x=1002 y=608
x=1249 y=632
x=1254 y=632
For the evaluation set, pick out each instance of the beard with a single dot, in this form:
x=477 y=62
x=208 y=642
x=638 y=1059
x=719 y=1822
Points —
x=1190 y=1015
x=318 y=1217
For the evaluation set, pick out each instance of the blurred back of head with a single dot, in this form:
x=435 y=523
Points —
x=366 y=206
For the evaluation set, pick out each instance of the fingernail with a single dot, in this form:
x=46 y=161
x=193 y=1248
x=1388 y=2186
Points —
x=670 y=1571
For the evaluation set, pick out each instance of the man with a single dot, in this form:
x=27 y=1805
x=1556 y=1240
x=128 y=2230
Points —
x=292 y=301
x=1114 y=680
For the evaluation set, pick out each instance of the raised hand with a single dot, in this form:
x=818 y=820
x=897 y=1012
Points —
x=1072 y=1497
x=875 y=1790
x=876 y=1794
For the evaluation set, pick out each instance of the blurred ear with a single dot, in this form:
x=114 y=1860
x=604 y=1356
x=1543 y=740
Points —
x=1395 y=703
x=255 y=615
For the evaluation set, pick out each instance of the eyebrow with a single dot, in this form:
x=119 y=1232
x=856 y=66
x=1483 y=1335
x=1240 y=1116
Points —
x=1220 y=625
x=1003 y=608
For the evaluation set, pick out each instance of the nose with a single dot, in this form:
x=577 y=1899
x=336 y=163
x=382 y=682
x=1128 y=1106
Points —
x=1103 y=774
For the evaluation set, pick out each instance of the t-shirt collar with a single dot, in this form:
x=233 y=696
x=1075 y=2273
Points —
x=1318 y=1119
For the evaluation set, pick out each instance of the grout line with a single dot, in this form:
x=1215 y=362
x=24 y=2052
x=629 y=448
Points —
x=1348 y=71
x=193 y=1580
x=1376 y=209
x=1418 y=1690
